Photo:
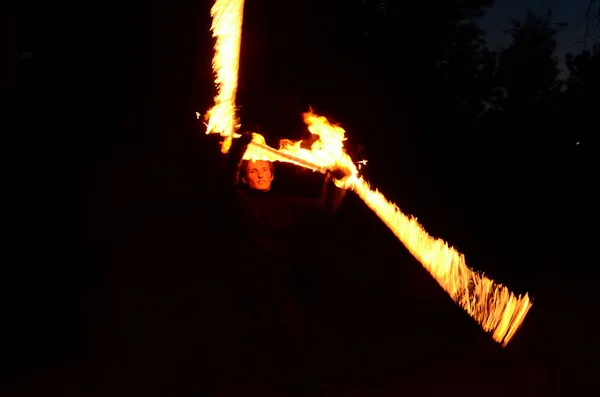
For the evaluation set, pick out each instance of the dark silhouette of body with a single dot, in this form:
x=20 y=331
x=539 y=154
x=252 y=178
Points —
x=267 y=269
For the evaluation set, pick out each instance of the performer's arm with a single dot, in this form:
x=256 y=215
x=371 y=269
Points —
x=330 y=199
x=229 y=163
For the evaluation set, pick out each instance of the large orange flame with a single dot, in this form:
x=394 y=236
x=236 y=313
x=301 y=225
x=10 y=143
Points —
x=227 y=29
x=326 y=152
x=492 y=305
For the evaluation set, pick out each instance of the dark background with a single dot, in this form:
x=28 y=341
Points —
x=114 y=244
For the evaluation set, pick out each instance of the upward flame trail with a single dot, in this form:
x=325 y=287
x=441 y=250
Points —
x=227 y=29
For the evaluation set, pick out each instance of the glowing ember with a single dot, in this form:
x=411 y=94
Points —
x=492 y=305
x=227 y=29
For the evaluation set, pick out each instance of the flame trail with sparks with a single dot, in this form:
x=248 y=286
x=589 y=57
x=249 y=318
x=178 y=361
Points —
x=227 y=29
x=492 y=305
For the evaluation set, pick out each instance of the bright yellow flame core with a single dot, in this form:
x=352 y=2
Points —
x=492 y=305
x=227 y=29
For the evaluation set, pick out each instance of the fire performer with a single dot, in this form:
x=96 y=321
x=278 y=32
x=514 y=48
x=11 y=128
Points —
x=268 y=271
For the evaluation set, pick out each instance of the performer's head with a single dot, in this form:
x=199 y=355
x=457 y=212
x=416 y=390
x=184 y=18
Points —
x=258 y=175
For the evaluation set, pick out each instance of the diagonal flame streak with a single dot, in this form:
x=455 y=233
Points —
x=492 y=305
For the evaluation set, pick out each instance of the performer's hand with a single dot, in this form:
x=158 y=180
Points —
x=340 y=173
x=245 y=139
x=238 y=145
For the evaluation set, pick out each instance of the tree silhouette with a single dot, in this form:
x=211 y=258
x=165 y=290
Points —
x=528 y=68
x=584 y=78
x=582 y=96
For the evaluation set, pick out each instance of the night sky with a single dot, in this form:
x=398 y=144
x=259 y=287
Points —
x=572 y=12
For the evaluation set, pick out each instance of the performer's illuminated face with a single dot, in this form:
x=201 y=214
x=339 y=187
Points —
x=259 y=175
